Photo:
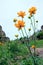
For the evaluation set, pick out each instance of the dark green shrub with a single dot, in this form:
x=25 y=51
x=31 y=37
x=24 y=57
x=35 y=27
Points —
x=40 y=35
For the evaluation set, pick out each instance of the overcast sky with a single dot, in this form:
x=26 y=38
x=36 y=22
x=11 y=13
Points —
x=9 y=9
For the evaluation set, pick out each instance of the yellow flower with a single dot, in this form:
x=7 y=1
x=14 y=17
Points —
x=20 y=24
x=21 y=14
x=14 y=20
x=32 y=10
x=33 y=46
x=16 y=35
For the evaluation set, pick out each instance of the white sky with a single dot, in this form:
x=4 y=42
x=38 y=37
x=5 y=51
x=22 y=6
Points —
x=9 y=9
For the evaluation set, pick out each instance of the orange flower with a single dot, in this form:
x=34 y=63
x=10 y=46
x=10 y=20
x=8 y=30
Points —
x=32 y=10
x=33 y=46
x=20 y=24
x=21 y=14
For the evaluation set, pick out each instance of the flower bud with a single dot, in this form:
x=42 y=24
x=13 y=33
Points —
x=16 y=35
x=33 y=46
x=36 y=21
x=14 y=20
x=29 y=29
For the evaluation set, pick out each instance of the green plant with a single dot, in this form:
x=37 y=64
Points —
x=40 y=35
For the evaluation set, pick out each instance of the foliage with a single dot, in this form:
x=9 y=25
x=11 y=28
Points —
x=40 y=35
x=42 y=27
x=13 y=53
x=10 y=51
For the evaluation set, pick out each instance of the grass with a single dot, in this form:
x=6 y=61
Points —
x=15 y=53
x=39 y=43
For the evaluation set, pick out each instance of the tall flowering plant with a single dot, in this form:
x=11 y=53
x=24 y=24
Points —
x=20 y=24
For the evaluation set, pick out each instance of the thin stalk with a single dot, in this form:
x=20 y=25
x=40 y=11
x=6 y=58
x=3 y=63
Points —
x=29 y=35
x=34 y=36
x=25 y=32
x=31 y=55
x=22 y=32
x=34 y=30
x=28 y=45
x=31 y=22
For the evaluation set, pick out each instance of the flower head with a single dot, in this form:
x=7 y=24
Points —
x=20 y=24
x=33 y=46
x=32 y=10
x=21 y=14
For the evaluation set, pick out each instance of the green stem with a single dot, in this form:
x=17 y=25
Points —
x=29 y=47
x=25 y=32
x=31 y=55
x=34 y=27
x=31 y=22
x=22 y=32
x=34 y=34
x=27 y=43
x=29 y=36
